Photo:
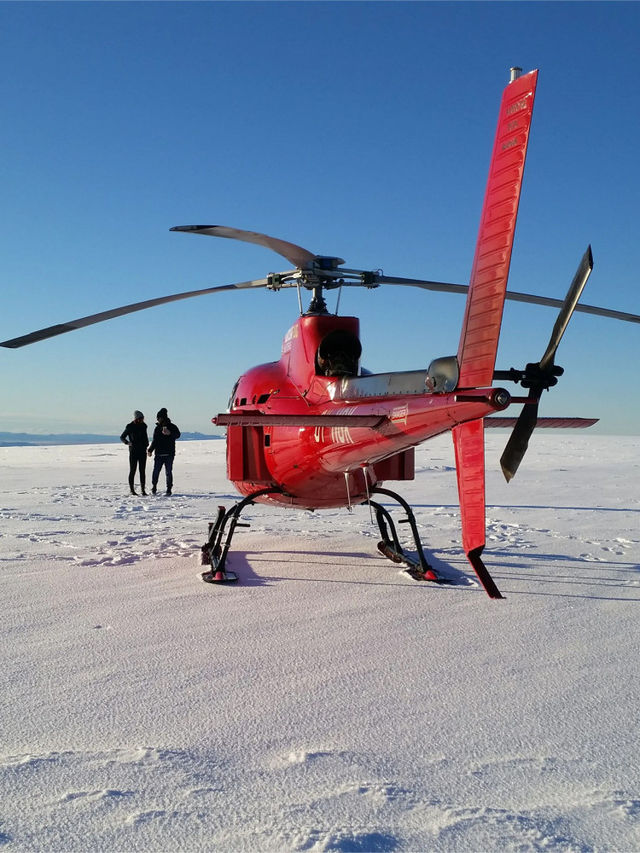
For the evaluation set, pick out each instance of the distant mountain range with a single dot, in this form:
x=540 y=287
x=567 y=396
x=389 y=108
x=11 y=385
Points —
x=27 y=439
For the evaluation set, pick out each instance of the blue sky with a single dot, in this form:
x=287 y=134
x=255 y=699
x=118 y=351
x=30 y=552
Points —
x=362 y=130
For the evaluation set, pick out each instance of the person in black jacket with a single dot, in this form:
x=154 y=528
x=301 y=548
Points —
x=135 y=436
x=164 y=445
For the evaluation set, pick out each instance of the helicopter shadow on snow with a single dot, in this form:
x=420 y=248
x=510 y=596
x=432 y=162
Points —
x=603 y=575
x=244 y=564
x=456 y=507
x=509 y=575
x=564 y=508
x=511 y=567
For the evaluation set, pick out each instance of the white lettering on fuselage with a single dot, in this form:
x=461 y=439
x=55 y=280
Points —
x=341 y=435
x=399 y=414
x=338 y=434
x=288 y=339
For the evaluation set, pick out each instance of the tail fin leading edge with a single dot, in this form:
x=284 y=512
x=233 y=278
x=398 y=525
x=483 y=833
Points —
x=490 y=271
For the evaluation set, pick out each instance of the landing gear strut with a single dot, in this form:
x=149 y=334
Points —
x=214 y=554
x=390 y=547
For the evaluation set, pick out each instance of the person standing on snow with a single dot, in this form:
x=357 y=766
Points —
x=164 y=445
x=135 y=436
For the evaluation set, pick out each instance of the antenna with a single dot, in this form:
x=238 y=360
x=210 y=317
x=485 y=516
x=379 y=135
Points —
x=515 y=73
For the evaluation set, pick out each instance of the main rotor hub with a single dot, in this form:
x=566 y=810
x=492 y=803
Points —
x=319 y=275
x=323 y=263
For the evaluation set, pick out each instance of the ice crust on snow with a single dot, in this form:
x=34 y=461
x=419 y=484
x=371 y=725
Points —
x=326 y=702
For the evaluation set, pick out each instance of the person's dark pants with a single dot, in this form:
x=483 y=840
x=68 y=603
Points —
x=137 y=458
x=167 y=461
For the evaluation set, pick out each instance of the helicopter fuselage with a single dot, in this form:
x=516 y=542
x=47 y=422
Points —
x=315 y=430
x=325 y=441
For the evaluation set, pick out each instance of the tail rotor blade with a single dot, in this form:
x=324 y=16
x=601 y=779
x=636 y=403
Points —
x=543 y=374
x=568 y=306
x=519 y=440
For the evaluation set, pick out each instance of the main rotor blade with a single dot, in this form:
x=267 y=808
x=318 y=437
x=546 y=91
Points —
x=512 y=295
x=294 y=254
x=61 y=328
x=438 y=286
x=580 y=307
x=568 y=306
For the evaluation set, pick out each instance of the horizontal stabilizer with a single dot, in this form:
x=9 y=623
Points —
x=543 y=423
x=257 y=419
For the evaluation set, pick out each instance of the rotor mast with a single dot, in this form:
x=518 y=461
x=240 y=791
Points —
x=319 y=275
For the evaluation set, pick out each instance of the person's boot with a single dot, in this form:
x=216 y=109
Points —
x=153 y=489
x=133 y=491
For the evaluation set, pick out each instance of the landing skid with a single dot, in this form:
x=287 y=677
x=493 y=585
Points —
x=219 y=577
x=213 y=552
x=390 y=547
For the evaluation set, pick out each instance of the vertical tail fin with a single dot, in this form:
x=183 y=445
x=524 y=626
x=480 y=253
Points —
x=488 y=283
x=468 y=442
x=485 y=301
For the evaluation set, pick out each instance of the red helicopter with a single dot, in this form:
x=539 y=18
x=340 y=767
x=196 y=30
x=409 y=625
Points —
x=315 y=430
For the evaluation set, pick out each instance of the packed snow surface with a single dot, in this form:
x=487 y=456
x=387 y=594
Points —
x=327 y=701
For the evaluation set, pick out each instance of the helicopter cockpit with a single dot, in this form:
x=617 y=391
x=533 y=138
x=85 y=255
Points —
x=338 y=354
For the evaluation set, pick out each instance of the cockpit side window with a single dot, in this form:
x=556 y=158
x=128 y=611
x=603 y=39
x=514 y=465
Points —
x=232 y=399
